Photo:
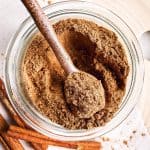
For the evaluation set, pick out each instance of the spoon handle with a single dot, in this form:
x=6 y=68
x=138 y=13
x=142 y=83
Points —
x=48 y=32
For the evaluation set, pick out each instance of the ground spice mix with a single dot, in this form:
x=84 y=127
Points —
x=93 y=49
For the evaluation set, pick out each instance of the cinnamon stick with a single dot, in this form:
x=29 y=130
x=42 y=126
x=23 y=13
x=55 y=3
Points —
x=4 y=99
x=12 y=143
x=37 y=146
x=29 y=135
x=38 y=140
x=44 y=146
x=81 y=147
x=28 y=132
x=2 y=141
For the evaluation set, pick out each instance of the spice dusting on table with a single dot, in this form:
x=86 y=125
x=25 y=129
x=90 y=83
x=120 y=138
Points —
x=134 y=131
x=105 y=139
x=93 y=49
x=125 y=142
x=143 y=134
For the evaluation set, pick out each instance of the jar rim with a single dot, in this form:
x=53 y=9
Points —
x=54 y=130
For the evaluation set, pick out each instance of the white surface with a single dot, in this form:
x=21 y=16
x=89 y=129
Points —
x=136 y=13
x=145 y=44
x=144 y=102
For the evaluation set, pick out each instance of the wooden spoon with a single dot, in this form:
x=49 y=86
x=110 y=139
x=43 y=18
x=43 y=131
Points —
x=92 y=99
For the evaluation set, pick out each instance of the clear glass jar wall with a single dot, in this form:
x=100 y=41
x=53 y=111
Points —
x=56 y=12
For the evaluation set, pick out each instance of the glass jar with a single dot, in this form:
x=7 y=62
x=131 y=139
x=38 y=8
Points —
x=56 y=12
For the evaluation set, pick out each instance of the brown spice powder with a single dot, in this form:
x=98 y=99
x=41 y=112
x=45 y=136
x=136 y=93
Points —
x=93 y=49
x=84 y=94
x=125 y=142
x=134 y=131
x=143 y=134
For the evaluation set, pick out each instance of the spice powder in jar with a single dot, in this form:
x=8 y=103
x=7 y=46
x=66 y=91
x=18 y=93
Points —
x=93 y=49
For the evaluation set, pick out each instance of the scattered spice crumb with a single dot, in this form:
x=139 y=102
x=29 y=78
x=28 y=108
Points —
x=49 y=2
x=134 y=132
x=143 y=134
x=131 y=137
x=125 y=142
x=105 y=139
x=2 y=54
